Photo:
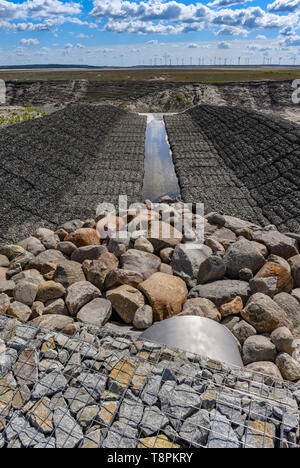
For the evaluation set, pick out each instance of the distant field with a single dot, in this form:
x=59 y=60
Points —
x=181 y=75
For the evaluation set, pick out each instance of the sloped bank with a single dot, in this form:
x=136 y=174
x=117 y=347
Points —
x=66 y=164
x=238 y=161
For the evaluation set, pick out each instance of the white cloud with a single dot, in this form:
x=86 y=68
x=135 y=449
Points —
x=260 y=37
x=37 y=9
x=224 y=3
x=284 y=6
x=231 y=31
x=224 y=45
x=29 y=42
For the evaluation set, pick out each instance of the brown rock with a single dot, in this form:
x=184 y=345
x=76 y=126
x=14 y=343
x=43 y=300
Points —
x=201 y=307
x=125 y=301
x=84 y=236
x=283 y=340
x=166 y=255
x=167 y=269
x=52 y=322
x=48 y=256
x=7 y=287
x=50 y=290
x=21 y=311
x=264 y=314
x=97 y=270
x=161 y=441
x=265 y=368
x=284 y=278
x=163 y=235
x=245 y=232
x=4 y=303
x=3 y=271
x=233 y=307
x=214 y=244
x=262 y=248
x=289 y=367
x=26 y=367
x=48 y=271
x=41 y=416
x=118 y=277
x=277 y=243
x=68 y=273
x=37 y=309
x=166 y=295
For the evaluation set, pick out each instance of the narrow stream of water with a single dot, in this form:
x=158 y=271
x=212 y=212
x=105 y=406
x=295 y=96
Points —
x=160 y=178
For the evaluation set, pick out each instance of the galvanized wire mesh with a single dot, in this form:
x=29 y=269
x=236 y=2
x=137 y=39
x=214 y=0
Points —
x=104 y=389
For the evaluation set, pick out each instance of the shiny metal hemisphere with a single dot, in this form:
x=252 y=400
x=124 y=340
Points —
x=197 y=335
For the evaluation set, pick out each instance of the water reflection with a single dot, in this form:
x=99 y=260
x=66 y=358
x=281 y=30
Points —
x=160 y=177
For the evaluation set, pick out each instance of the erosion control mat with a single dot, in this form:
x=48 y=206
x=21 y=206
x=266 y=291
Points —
x=62 y=166
x=238 y=162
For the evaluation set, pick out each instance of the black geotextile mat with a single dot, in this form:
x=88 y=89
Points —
x=240 y=162
x=62 y=166
x=101 y=388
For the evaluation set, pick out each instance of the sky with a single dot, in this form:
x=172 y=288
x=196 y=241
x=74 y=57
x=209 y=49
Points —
x=154 y=32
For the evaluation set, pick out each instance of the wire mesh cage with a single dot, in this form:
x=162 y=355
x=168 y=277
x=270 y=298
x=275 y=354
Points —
x=101 y=388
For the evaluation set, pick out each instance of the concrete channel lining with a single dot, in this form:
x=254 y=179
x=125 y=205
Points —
x=132 y=393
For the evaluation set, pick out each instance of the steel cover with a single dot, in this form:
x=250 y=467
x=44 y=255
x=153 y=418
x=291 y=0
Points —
x=196 y=335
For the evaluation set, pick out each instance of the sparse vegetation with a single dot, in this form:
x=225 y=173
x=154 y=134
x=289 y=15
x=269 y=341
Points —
x=10 y=116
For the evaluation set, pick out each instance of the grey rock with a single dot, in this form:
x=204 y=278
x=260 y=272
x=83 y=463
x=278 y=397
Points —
x=68 y=273
x=201 y=307
x=178 y=401
x=258 y=348
x=259 y=434
x=89 y=252
x=49 y=256
x=26 y=291
x=66 y=248
x=79 y=294
x=32 y=245
x=213 y=268
x=4 y=303
x=295 y=269
x=19 y=428
x=7 y=360
x=68 y=433
x=150 y=392
x=291 y=307
x=56 y=307
x=266 y=286
x=221 y=291
x=242 y=254
x=222 y=435
x=153 y=421
x=245 y=274
x=47 y=237
x=289 y=367
x=119 y=244
x=49 y=385
x=186 y=262
x=93 y=383
x=4 y=262
x=17 y=343
x=277 y=243
x=7 y=287
x=265 y=315
x=131 y=412
x=97 y=312
x=195 y=429
x=142 y=262
x=243 y=330
x=71 y=226
x=143 y=317
x=283 y=340
x=120 y=435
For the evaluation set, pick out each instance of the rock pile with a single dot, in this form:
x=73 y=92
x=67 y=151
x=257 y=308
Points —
x=101 y=389
x=244 y=276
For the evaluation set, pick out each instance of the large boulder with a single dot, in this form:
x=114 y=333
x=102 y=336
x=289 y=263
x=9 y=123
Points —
x=97 y=270
x=48 y=256
x=49 y=290
x=283 y=340
x=277 y=243
x=265 y=315
x=142 y=262
x=143 y=317
x=267 y=369
x=79 y=294
x=20 y=311
x=242 y=330
x=289 y=367
x=52 y=322
x=292 y=309
x=242 y=254
x=118 y=277
x=125 y=301
x=162 y=235
x=84 y=236
x=283 y=276
x=258 y=348
x=96 y=312
x=89 y=252
x=186 y=262
x=201 y=307
x=212 y=268
x=222 y=291
x=295 y=266
x=166 y=295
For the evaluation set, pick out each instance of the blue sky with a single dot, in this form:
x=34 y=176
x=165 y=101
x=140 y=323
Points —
x=117 y=32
